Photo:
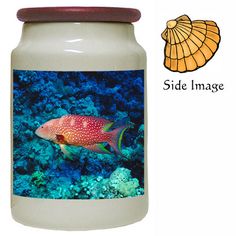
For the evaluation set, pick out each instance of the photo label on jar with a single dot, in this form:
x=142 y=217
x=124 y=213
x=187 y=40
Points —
x=78 y=135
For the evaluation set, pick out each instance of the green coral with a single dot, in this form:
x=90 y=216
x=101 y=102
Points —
x=87 y=106
x=38 y=179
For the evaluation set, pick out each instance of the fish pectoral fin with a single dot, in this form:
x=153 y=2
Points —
x=66 y=152
x=98 y=147
x=60 y=138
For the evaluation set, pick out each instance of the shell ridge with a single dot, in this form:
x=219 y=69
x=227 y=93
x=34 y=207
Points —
x=176 y=52
x=168 y=36
x=182 y=44
x=207 y=60
x=173 y=51
x=199 y=23
x=199 y=46
x=165 y=57
x=167 y=50
x=187 y=45
x=176 y=37
x=186 y=23
x=190 y=53
x=195 y=61
x=210 y=22
x=196 y=67
x=198 y=63
x=183 y=35
x=198 y=37
x=178 y=34
x=215 y=36
x=171 y=58
x=183 y=27
x=183 y=54
x=209 y=47
x=182 y=24
x=171 y=38
x=211 y=39
x=164 y=34
x=199 y=30
x=187 y=31
x=194 y=44
x=210 y=27
x=173 y=41
x=212 y=32
x=203 y=55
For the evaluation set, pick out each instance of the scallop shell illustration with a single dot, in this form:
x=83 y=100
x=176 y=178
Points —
x=189 y=44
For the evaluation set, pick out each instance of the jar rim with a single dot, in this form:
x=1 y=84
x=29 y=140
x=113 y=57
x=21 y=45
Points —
x=79 y=14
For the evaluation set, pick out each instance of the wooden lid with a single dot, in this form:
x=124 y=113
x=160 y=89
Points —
x=78 y=14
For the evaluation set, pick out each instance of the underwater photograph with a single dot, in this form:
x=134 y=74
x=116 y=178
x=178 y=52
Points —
x=78 y=135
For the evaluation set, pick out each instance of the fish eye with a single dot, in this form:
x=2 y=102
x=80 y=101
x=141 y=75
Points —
x=41 y=127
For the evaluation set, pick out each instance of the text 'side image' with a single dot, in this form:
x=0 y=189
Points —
x=78 y=135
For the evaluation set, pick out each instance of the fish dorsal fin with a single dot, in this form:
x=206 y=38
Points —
x=114 y=125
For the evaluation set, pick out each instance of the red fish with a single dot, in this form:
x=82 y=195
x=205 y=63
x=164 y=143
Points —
x=87 y=131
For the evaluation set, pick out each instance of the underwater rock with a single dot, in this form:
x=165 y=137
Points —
x=86 y=107
x=21 y=185
x=120 y=115
x=42 y=153
x=21 y=167
x=60 y=112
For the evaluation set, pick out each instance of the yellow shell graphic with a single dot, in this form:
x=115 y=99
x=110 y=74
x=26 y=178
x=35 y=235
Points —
x=189 y=44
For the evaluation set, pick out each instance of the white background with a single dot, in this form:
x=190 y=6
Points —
x=191 y=145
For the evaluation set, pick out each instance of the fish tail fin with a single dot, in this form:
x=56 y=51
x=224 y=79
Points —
x=117 y=135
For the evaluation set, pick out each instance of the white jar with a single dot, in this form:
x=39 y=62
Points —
x=79 y=143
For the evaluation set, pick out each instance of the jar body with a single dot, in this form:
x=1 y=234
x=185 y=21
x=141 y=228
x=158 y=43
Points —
x=66 y=49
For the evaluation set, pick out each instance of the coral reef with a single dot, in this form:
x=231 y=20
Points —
x=41 y=170
x=38 y=179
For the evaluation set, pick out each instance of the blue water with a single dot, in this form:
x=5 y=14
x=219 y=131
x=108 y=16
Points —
x=41 y=170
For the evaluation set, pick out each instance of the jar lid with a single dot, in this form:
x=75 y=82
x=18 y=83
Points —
x=79 y=14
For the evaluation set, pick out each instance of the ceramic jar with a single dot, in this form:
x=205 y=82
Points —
x=78 y=119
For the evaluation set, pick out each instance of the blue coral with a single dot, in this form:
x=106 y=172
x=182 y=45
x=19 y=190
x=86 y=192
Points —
x=41 y=170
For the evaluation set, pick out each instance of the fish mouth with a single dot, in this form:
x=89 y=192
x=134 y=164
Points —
x=41 y=135
x=37 y=132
